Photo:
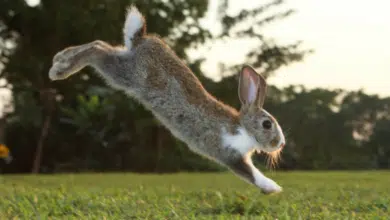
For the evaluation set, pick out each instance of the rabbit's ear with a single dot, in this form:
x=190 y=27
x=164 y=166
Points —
x=252 y=87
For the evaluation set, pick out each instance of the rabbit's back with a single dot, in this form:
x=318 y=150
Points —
x=167 y=87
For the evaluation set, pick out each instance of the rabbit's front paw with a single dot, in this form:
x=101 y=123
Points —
x=270 y=187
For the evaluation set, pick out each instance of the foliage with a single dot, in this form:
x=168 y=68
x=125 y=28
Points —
x=266 y=56
x=306 y=195
x=82 y=125
x=329 y=129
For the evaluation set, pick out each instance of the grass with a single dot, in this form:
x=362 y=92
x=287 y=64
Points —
x=307 y=195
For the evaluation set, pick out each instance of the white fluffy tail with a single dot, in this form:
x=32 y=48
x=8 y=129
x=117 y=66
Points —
x=134 y=27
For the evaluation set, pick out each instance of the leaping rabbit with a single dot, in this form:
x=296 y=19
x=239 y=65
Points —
x=146 y=69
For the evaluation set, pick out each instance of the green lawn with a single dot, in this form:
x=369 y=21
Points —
x=307 y=195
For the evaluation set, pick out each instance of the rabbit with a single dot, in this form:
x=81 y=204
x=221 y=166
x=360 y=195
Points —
x=147 y=70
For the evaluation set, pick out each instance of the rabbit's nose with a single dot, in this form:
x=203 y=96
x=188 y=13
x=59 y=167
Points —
x=282 y=145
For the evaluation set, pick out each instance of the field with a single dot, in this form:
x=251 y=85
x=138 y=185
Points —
x=307 y=195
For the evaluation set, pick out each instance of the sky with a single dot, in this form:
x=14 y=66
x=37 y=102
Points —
x=351 y=42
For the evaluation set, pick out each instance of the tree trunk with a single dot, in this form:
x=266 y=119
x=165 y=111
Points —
x=47 y=97
x=159 y=146
x=42 y=138
x=2 y=129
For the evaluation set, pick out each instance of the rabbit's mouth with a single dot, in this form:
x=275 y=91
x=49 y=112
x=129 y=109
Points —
x=274 y=145
x=270 y=148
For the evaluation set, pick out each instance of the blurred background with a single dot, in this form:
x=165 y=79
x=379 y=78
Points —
x=327 y=63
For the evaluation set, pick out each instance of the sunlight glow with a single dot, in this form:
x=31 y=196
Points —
x=33 y=3
x=349 y=38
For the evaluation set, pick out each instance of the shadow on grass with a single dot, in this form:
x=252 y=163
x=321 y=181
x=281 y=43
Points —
x=234 y=205
x=233 y=209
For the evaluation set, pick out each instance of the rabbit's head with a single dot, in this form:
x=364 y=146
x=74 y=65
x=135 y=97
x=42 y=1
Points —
x=260 y=124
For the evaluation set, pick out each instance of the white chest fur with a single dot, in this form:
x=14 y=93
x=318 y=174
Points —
x=245 y=143
x=241 y=141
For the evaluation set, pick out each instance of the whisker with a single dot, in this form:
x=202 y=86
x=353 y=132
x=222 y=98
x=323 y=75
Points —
x=273 y=159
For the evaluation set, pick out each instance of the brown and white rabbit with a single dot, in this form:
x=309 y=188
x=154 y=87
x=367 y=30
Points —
x=150 y=72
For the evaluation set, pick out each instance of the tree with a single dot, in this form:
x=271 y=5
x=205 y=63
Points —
x=59 y=119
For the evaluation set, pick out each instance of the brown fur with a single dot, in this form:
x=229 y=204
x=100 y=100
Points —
x=151 y=73
x=192 y=87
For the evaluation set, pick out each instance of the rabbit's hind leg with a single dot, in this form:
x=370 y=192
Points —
x=72 y=59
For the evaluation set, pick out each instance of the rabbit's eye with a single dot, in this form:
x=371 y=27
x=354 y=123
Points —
x=267 y=124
